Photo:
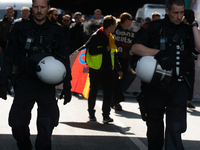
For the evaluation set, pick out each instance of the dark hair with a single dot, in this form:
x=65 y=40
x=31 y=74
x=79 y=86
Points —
x=77 y=13
x=169 y=3
x=108 y=20
x=48 y=2
x=147 y=19
x=97 y=10
x=124 y=16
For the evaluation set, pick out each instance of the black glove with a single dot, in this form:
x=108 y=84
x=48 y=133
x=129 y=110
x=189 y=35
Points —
x=66 y=92
x=164 y=60
x=189 y=16
x=3 y=91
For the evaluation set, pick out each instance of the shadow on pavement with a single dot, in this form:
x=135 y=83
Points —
x=65 y=142
x=193 y=111
x=97 y=126
x=127 y=114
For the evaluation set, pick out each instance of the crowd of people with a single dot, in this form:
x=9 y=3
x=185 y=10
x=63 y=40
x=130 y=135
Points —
x=113 y=50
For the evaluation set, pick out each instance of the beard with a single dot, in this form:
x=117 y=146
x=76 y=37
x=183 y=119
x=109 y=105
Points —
x=53 y=20
x=39 y=19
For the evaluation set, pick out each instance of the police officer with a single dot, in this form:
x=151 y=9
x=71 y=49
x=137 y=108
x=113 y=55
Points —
x=171 y=42
x=29 y=38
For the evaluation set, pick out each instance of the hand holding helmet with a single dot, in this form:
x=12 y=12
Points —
x=149 y=71
x=164 y=60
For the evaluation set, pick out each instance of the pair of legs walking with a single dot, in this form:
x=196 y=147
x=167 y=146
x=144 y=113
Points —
x=27 y=93
x=171 y=101
x=97 y=77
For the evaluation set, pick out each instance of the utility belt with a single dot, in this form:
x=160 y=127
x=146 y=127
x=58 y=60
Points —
x=177 y=79
x=181 y=79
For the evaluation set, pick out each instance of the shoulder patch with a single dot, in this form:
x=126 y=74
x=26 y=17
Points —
x=145 y=26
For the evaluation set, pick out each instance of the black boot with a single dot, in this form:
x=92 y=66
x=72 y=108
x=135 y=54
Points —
x=91 y=115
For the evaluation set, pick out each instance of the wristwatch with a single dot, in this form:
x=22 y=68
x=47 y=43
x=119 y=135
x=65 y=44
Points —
x=194 y=24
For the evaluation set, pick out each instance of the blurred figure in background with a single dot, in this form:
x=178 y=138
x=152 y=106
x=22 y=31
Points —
x=155 y=16
x=147 y=19
x=123 y=39
x=53 y=15
x=66 y=21
x=5 y=25
x=76 y=33
x=93 y=24
x=25 y=12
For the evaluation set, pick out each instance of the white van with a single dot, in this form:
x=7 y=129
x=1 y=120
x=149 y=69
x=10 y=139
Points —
x=16 y=4
x=148 y=9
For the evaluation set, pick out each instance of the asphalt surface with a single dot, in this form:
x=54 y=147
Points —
x=75 y=132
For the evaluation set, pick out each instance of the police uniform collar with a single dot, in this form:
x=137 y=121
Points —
x=168 y=22
x=38 y=27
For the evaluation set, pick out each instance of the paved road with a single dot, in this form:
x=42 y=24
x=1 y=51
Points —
x=74 y=132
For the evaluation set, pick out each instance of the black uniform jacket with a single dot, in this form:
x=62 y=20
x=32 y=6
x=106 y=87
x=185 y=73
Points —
x=48 y=37
x=176 y=36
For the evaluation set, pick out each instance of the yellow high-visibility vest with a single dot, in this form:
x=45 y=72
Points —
x=95 y=61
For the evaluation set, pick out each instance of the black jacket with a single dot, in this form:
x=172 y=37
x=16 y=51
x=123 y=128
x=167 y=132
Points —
x=76 y=36
x=5 y=25
x=48 y=37
x=176 y=35
x=99 y=38
x=123 y=40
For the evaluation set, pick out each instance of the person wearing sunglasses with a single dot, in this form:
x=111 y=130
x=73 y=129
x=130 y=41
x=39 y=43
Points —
x=53 y=15
x=66 y=21
x=77 y=35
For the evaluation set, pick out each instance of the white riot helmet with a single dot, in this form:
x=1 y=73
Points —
x=50 y=70
x=150 y=71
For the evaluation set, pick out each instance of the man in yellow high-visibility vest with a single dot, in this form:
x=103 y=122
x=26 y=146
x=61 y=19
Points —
x=101 y=60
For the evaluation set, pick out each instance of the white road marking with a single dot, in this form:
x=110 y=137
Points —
x=131 y=136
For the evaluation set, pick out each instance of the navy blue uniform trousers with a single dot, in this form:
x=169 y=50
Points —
x=27 y=93
x=171 y=101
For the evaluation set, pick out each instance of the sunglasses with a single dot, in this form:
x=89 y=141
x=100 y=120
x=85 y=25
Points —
x=130 y=19
x=55 y=14
x=66 y=20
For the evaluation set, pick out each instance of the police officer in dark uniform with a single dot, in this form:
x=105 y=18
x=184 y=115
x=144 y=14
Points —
x=171 y=42
x=37 y=36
